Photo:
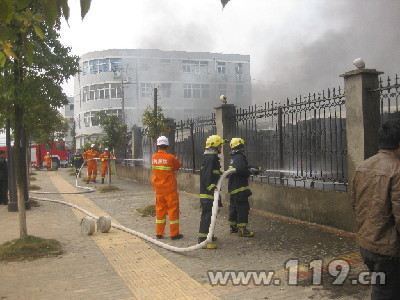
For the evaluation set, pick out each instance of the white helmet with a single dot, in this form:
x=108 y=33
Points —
x=92 y=145
x=162 y=140
x=105 y=149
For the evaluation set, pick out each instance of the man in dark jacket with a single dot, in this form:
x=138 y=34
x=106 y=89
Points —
x=239 y=190
x=376 y=202
x=3 y=178
x=77 y=161
x=209 y=175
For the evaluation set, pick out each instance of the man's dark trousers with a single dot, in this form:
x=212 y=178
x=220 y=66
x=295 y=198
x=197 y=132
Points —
x=388 y=265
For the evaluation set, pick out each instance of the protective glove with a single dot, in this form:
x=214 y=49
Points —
x=254 y=171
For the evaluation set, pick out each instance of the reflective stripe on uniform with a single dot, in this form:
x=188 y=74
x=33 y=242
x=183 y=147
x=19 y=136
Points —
x=161 y=168
x=242 y=224
x=239 y=190
x=161 y=221
x=218 y=172
x=174 y=222
x=203 y=234
x=233 y=223
x=211 y=186
x=206 y=196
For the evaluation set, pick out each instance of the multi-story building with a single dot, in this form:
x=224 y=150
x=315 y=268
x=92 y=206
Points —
x=68 y=112
x=189 y=84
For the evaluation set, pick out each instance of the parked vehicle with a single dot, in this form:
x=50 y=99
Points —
x=57 y=150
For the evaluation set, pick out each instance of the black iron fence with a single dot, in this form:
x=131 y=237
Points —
x=302 y=141
x=190 y=137
x=390 y=97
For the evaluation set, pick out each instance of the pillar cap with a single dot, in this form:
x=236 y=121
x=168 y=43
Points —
x=224 y=106
x=361 y=71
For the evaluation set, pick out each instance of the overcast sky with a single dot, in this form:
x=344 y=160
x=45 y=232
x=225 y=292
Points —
x=295 y=46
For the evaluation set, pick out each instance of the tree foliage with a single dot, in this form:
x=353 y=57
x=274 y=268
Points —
x=115 y=130
x=25 y=19
x=156 y=123
x=51 y=127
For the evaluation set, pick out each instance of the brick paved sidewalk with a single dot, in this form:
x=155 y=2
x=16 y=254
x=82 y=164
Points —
x=120 y=266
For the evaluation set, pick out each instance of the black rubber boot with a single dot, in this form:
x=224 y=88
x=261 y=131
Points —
x=102 y=181
x=244 y=232
x=234 y=229
x=176 y=237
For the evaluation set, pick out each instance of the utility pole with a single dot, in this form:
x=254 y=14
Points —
x=122 y=96
x=155 y=108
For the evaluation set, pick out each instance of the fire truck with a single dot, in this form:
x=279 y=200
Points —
x=57 y=150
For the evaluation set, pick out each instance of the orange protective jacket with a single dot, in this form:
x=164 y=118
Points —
x=105 y=157
x=89 y=156
x=164 y=166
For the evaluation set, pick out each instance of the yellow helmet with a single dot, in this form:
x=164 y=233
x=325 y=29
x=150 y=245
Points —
x=236 y=142
x=214 y=141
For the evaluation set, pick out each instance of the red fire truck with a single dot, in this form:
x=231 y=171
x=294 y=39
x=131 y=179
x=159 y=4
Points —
x=58 y=152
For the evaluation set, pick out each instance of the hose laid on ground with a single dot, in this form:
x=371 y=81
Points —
x=87 y=189
x=88 y=227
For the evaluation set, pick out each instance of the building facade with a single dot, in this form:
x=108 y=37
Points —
x=123 y=83
x=68 y=112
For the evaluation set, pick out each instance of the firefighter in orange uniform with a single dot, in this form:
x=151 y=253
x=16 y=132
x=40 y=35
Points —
x=90 y=159
x=105 y=158
x=47 y=159
x=164 y=182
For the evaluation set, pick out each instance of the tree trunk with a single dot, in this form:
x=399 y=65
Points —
x=20 y=150
x=20 y=173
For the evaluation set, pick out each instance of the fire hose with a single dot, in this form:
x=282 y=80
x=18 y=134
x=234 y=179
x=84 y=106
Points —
x=104 y=222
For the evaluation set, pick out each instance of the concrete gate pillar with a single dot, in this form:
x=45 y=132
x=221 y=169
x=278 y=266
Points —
x=225 y=122
x=362 y=116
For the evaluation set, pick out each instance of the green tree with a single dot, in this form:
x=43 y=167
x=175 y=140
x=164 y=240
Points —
x=155 y=122
x=115 y=131
x=19 y=19
x=31 y=82
x=52 y=126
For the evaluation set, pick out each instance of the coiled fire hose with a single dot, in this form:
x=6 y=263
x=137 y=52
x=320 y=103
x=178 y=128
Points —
x=103 y=222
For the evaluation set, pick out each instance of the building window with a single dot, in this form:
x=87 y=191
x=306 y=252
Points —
x=239 y=91
x=71 y=107
x=187 y=91
x=165 y=90
x=92 y=92
x=144 y=65
x=115 y=90
x=239 y=68
x=145 y=90
x=85 y=68
x=222 y=89
x=165 y=63
x=93 y=66
x=94 y=118
x=205 y=91
x=115 y=64
x=104 y=65
x=86 y=119
x=196 y=90
x=221 y=68
x=194 y=66
x=103 y=91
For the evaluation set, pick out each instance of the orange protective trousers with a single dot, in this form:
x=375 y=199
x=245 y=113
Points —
x=167 y=203
x=92 y=170
x=104 y=169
